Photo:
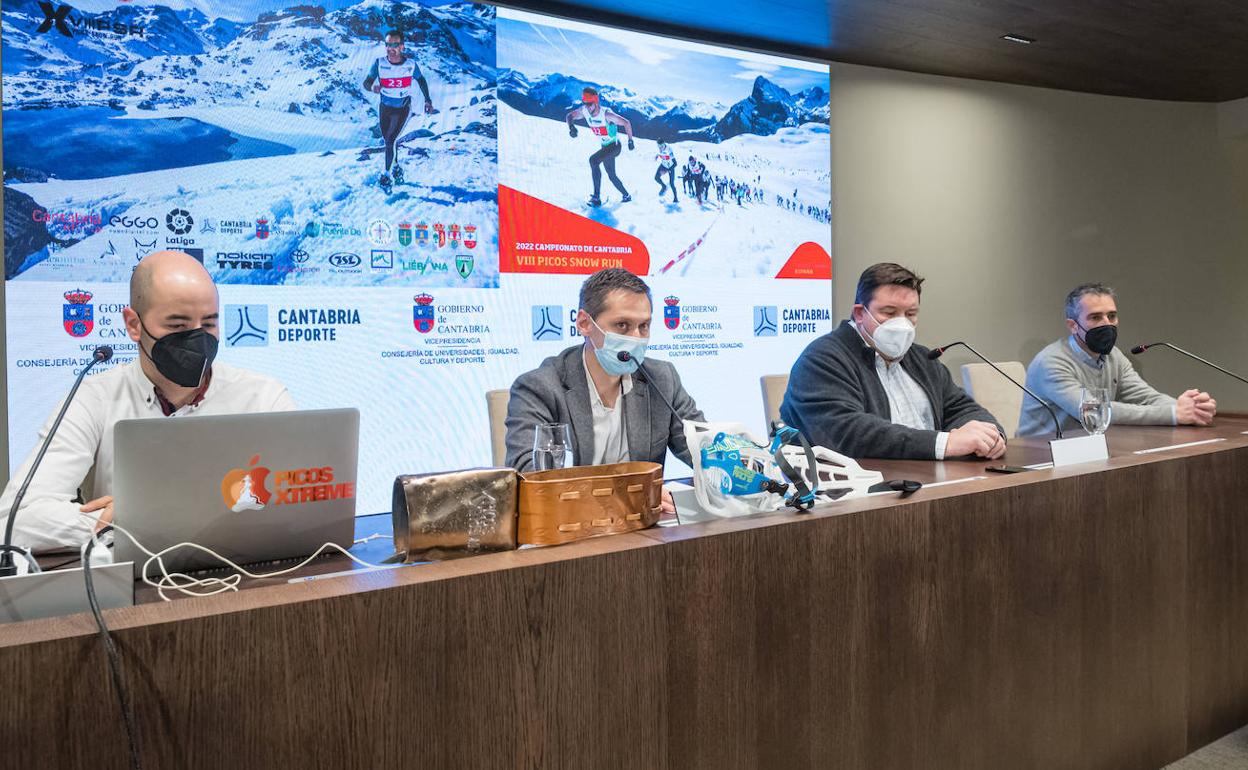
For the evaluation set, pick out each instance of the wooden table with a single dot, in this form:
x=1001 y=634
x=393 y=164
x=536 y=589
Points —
x=1089 y=617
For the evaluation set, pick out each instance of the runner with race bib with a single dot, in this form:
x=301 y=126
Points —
x=604 y=124
x=392 y=76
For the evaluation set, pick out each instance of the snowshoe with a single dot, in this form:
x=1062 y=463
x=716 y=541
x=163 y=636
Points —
x=397 y=172
x=385 y=184
x=626 y=198
x=595 y=201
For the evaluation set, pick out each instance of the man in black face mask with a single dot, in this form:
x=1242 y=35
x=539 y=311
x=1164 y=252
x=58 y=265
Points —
x=1089 y=359
x=172 y=319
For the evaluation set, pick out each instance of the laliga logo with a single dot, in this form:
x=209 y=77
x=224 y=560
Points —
x=423 y=316
x=671 y=313
x=243 y=489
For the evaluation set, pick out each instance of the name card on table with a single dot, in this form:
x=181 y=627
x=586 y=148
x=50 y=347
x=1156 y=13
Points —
x=1083 y=449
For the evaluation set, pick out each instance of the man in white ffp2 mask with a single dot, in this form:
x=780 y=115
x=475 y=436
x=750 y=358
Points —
x=866 y=390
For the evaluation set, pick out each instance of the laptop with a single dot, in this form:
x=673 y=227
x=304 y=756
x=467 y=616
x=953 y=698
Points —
x=254 y=488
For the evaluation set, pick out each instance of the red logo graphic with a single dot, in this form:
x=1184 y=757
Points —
x=78 y=316
x=671 y=313
x=423 y=316
x=243 y=488
x=470 y=236
x=809 y=260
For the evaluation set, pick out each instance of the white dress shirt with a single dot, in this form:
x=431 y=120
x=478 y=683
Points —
x=610 y=438
x=83 y=445
x=908 y=403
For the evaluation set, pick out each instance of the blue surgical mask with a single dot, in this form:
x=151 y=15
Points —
x=612 y=345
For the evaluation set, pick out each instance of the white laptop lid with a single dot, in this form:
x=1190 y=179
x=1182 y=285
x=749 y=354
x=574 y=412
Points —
x=252 y=487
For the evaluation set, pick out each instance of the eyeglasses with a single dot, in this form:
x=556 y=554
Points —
x=394 y=45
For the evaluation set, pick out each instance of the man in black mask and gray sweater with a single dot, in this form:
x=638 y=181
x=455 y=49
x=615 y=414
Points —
x=865 y=390
x=1088 y=358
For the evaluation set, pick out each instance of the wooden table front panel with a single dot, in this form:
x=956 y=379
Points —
x=1082 y=618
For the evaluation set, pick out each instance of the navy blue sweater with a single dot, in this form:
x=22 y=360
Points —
x=836 y=399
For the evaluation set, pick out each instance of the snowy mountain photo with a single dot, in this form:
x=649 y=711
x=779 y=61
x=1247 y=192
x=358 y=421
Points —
x=150 y=99
x=766 y=109
x=754 y=130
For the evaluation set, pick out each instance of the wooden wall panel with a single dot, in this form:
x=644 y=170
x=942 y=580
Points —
x=1217 y=517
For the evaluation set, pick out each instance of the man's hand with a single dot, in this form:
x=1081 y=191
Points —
x=104 y=505
x=669 y=505
x=429 y=110
x=572 y=131
x=631 y=144
x=1195 y=407
x=376 y=87
x=975 y=438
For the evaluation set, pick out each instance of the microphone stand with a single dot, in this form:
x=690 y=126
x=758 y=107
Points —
x=1138 y=349
x=7 y=567
x=935 y=353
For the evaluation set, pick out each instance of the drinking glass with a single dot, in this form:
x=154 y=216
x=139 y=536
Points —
x=552 y=446
x=1094 y=410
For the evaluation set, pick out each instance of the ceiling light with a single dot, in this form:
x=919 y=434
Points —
x=1019 y=39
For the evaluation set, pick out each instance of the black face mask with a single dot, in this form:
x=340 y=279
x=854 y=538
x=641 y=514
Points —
x=183 y=357
x=1100 y=339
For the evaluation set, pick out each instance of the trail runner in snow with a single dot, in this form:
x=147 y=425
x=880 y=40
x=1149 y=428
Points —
x=391 y=76
x=604 y=124
x=667 y=165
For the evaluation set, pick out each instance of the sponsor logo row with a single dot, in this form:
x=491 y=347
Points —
x=182 y=224
x=768 y=320
x=249 y=325
x=295 y=261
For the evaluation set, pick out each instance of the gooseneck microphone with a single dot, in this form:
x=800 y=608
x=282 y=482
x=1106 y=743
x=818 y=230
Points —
x=643 y=374
x=645 y=377
x=935 y=353
x=1138 y=349
x=7 y=567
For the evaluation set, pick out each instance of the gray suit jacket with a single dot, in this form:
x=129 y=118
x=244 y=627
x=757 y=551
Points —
x=557 y=391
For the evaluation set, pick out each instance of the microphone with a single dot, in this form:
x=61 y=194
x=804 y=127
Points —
x=1138 y=349
x=7 y=567
x=935 y=353
x=644 y=376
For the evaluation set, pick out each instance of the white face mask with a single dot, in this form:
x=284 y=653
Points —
x=893 y=337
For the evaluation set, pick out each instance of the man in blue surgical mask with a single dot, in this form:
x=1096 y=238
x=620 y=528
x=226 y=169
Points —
x=866 y=390
x=169 y=371
x=595 y=387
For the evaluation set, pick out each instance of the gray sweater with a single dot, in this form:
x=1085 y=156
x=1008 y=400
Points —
x=835 y=398
x=1060 y=372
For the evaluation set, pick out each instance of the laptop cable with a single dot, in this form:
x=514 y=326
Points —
x=110 y=648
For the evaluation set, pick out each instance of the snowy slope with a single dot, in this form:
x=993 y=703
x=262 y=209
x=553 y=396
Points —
x=299 y=60
x=539 y=158
x=451 y=175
